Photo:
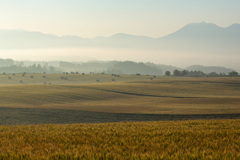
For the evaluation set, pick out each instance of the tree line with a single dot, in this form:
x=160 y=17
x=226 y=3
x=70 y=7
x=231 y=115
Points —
x=187 y=73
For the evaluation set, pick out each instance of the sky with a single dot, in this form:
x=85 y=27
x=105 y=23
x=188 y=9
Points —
x=92 y=18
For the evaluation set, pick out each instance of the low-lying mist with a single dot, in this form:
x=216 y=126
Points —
x=180 y=59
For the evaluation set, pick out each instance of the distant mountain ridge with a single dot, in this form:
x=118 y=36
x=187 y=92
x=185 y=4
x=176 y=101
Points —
x=192 y=37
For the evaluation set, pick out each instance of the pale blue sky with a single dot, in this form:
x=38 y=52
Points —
x=91 y=18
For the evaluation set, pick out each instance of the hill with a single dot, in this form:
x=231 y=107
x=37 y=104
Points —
x=209 y=69
x=110 y=67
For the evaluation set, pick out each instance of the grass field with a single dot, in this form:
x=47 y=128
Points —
x=198 y=139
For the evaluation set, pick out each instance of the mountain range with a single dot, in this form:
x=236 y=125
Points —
x=200 y=37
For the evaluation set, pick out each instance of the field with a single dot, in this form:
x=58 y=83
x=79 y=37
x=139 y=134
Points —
x=198 y=139
x=180 y=117
x=128 y=98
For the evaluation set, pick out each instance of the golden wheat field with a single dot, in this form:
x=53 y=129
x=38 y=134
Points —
x=198 y=139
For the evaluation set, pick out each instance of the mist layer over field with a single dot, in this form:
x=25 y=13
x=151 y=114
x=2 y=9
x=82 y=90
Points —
x=180 y=59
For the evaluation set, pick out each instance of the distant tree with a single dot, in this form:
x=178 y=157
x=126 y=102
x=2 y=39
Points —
x=213 y=74
x=184 y=73
x=167 y=73
x=9 y=77
x=233 y=74
x=176 y=72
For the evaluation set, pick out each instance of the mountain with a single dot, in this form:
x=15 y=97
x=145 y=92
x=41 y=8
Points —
x=22 y=39
x=200 y=37
x=122 y=40
x=204 y=37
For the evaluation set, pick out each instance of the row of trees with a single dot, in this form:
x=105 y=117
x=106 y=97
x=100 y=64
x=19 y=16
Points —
x=29 y=69
x=199 y=73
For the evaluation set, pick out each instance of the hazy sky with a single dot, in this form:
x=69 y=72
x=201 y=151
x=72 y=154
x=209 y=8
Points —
x=91 y=18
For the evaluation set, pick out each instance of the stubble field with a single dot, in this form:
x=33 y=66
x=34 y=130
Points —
x=128 y=94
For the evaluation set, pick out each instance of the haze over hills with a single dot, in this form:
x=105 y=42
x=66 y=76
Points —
x=196 y=43
x=110 y=67
x=202 y=36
